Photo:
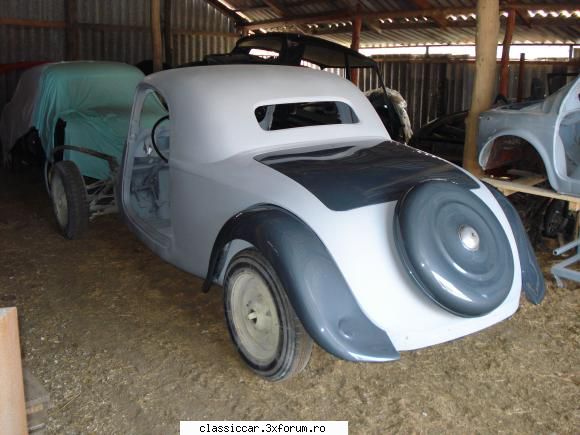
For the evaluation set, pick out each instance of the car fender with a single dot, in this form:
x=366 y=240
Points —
x=536 y=142
x=315 y=286
x=532 y=278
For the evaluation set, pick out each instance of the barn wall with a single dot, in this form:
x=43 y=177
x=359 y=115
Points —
x=199 y=29
x=434 y=87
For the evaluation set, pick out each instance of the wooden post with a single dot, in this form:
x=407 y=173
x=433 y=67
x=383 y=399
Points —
x=355 y=44
x=156 y=35
x=167 y=35
x=504 y=78
x=485 y=77
x=521 y=77
x=72 y=30
x=12 y=405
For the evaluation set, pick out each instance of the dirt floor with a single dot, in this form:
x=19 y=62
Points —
x=125 y=343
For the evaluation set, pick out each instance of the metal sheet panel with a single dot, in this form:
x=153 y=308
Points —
x=433 y=86
x=131 y=45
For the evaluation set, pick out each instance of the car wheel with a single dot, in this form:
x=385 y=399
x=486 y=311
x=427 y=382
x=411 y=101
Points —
x=69 y=199
x=261 y=321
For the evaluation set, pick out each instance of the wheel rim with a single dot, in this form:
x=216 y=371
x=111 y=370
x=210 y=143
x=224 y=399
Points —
x=255 y=317
x=59 y=200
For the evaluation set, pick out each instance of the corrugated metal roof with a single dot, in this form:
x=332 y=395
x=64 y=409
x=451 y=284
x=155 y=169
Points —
x=560 y=26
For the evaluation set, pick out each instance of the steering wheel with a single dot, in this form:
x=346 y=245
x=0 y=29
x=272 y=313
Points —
x=154 y=142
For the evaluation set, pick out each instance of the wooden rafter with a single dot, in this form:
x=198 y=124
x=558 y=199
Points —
x=240 y=22
x=386 y=27
x=43 y=24
x=425 y=4
x=521 y=13
x=524 y=17
x=370 y=23
x=345 y=14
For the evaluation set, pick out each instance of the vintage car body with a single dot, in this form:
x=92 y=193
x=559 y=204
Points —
x=329 y=207
x=91 y=99
x=292 y=49
x=73 y=117
x=551 y=127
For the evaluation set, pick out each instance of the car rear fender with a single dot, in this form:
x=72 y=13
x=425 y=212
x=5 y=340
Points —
x=485 y=148
x=532 y=278
x=315 y=286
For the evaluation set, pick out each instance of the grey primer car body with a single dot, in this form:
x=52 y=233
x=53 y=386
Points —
x=318 y=202
x=550 y=126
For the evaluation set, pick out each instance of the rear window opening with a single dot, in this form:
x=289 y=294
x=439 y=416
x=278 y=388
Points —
x=264 y=54
x=306 y=114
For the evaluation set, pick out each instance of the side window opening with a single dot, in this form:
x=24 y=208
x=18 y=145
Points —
x=150 y=196
x=304 y=114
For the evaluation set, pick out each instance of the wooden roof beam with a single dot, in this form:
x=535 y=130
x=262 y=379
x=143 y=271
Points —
x=524 y=17
x=372 y=26
x=521 y=13
x=346 y=14
x=423 y=5
x=370 y=23
x=386 y=27
x=231 y=13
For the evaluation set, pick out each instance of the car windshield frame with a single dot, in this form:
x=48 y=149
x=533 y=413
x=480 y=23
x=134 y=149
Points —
x=285 y=42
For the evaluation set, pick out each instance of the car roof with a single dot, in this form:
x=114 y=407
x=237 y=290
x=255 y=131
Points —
x=212 y=107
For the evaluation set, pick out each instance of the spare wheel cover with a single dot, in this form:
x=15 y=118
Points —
x=454 y=247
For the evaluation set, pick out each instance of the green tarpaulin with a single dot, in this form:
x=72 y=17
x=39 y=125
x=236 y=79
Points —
x=94 y=99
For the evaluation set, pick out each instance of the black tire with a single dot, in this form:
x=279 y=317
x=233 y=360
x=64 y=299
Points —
x=69 y=199
x=290 y=354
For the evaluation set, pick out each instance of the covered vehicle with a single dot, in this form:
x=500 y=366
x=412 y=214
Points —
x=75 y=117
x=291 y=195
x=545 y=132
x=278 y=48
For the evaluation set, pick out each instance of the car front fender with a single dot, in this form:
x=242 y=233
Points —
x=315 y=286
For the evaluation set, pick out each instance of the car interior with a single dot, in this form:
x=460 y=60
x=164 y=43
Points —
x=150 y=177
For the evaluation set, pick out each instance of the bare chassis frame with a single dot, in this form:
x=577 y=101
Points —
x=100 y=193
